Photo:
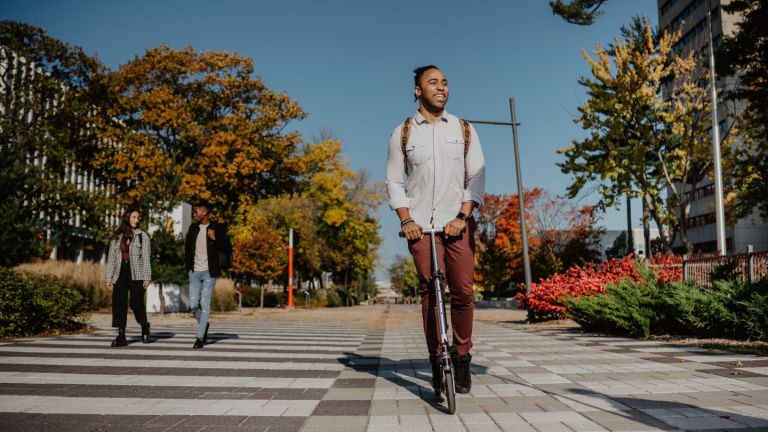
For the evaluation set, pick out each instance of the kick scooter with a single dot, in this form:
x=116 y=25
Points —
x=437 y=278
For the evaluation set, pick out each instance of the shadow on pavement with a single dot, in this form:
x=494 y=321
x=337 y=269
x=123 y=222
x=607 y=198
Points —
x=413 y=375
x=606 y=409
x=215 y=337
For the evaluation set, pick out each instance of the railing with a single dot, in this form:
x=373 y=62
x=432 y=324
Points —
x=744 y=267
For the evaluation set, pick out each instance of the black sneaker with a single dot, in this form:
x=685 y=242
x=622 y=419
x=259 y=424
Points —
x=146 y=336
x=437 y=377
x=461 y=372
x=120 y=339
x=198 y=343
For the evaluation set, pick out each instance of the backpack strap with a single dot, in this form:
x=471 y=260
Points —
x=467 y=132
x=405 y=132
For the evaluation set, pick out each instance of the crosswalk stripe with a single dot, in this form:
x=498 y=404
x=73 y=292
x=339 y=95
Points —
x=164 y=380
x=197 y=364
x=155 y=406
x=186 y=352
x=228 y=343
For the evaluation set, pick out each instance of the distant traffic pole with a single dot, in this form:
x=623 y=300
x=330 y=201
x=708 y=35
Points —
x=520 y=193
x=290 y=267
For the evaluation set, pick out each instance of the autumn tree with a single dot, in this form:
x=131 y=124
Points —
x=403 y=276
x=639 y=142
x=560 y=235
x=267 y=222
x=744 y=55
x=492 y=270
x=261 y=256
x=347 y=230
x=46 y=147
x=331 y=213
x=187 y=125
x=567 y=235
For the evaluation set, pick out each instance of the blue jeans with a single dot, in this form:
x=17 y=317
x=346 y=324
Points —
x=200 y=289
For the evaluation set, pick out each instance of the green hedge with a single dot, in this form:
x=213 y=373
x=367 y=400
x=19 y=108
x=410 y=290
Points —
x=33 y=303
x=727 y=309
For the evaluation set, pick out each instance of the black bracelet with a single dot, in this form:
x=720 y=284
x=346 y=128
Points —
x=402 y=224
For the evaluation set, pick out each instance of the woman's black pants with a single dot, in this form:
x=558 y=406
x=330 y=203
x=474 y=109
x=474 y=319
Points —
x=120 y=298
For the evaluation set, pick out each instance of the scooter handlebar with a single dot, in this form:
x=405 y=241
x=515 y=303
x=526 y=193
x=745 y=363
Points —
x=424 y=231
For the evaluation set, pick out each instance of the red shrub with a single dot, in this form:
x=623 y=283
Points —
x=668 y=267
x=546 y=296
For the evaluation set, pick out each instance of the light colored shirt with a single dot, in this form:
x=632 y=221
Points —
x=201 y=249
x=436 y=170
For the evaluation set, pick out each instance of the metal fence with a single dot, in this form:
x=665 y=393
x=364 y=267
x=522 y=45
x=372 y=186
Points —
x=744 y=267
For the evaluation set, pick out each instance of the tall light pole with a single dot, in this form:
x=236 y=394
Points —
x=290 y=267
x=719 y=209
x=520 y=200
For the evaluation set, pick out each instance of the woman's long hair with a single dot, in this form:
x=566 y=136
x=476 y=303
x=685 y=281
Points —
x=125 y=227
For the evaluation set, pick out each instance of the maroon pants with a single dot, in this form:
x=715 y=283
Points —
x=456 y=257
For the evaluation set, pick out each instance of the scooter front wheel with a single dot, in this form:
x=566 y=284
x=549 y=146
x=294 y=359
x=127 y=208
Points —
x=450 y=391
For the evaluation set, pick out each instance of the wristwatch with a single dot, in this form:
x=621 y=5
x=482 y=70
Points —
x=461 y=216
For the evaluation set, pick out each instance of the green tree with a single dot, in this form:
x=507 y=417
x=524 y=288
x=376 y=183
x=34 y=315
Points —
x=619 y=247
x=403 y=276
x=168 y=266
x=46 y=143
x=744 y=55
x=196 y=125
x=639 y=143
x=581 y=12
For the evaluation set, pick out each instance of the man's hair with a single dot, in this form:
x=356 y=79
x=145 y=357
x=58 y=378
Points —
x=418 y=73
x=202 y=204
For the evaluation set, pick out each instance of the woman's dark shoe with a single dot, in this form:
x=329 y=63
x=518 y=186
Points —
x=120 y=339
x=205 y=336
x=198 y=343
x=462 y=372
x=146 y=336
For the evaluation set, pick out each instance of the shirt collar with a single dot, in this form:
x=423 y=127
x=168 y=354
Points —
x=419 y=118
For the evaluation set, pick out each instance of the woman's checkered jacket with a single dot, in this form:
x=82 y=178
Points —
x=139 y=251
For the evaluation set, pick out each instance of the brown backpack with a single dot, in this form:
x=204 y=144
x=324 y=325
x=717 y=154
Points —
x=406 y=131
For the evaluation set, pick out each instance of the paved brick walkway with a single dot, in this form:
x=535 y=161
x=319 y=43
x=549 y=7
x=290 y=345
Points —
x=364 y=369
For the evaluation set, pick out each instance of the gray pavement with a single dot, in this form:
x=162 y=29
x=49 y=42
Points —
x=364 y=369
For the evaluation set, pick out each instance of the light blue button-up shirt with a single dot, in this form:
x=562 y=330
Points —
x=435 y=189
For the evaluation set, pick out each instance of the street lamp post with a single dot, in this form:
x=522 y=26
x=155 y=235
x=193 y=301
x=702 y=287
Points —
x=519 y=176
x=719 y=209
x=290 y=267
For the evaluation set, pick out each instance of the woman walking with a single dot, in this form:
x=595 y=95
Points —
x=128 y=269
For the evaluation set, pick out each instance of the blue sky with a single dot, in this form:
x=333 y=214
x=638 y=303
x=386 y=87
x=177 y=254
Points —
x=348 y=64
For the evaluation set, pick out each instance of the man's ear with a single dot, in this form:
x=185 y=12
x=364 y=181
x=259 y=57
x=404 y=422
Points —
x=417 y=91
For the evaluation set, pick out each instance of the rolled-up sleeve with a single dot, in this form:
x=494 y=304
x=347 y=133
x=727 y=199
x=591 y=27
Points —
x=475 y=166
x=395 y=179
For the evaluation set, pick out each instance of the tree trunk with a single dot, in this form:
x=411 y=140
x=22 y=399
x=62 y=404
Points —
x=162 y=298
x=647 y=230
x=653 y=209
x=346 y=285
x=684 y=221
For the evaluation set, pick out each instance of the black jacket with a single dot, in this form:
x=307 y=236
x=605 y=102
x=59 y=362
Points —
x=221 y=245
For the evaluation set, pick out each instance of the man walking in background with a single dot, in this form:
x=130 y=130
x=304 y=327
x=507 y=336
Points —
x=207 y=242
x=441 y=157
